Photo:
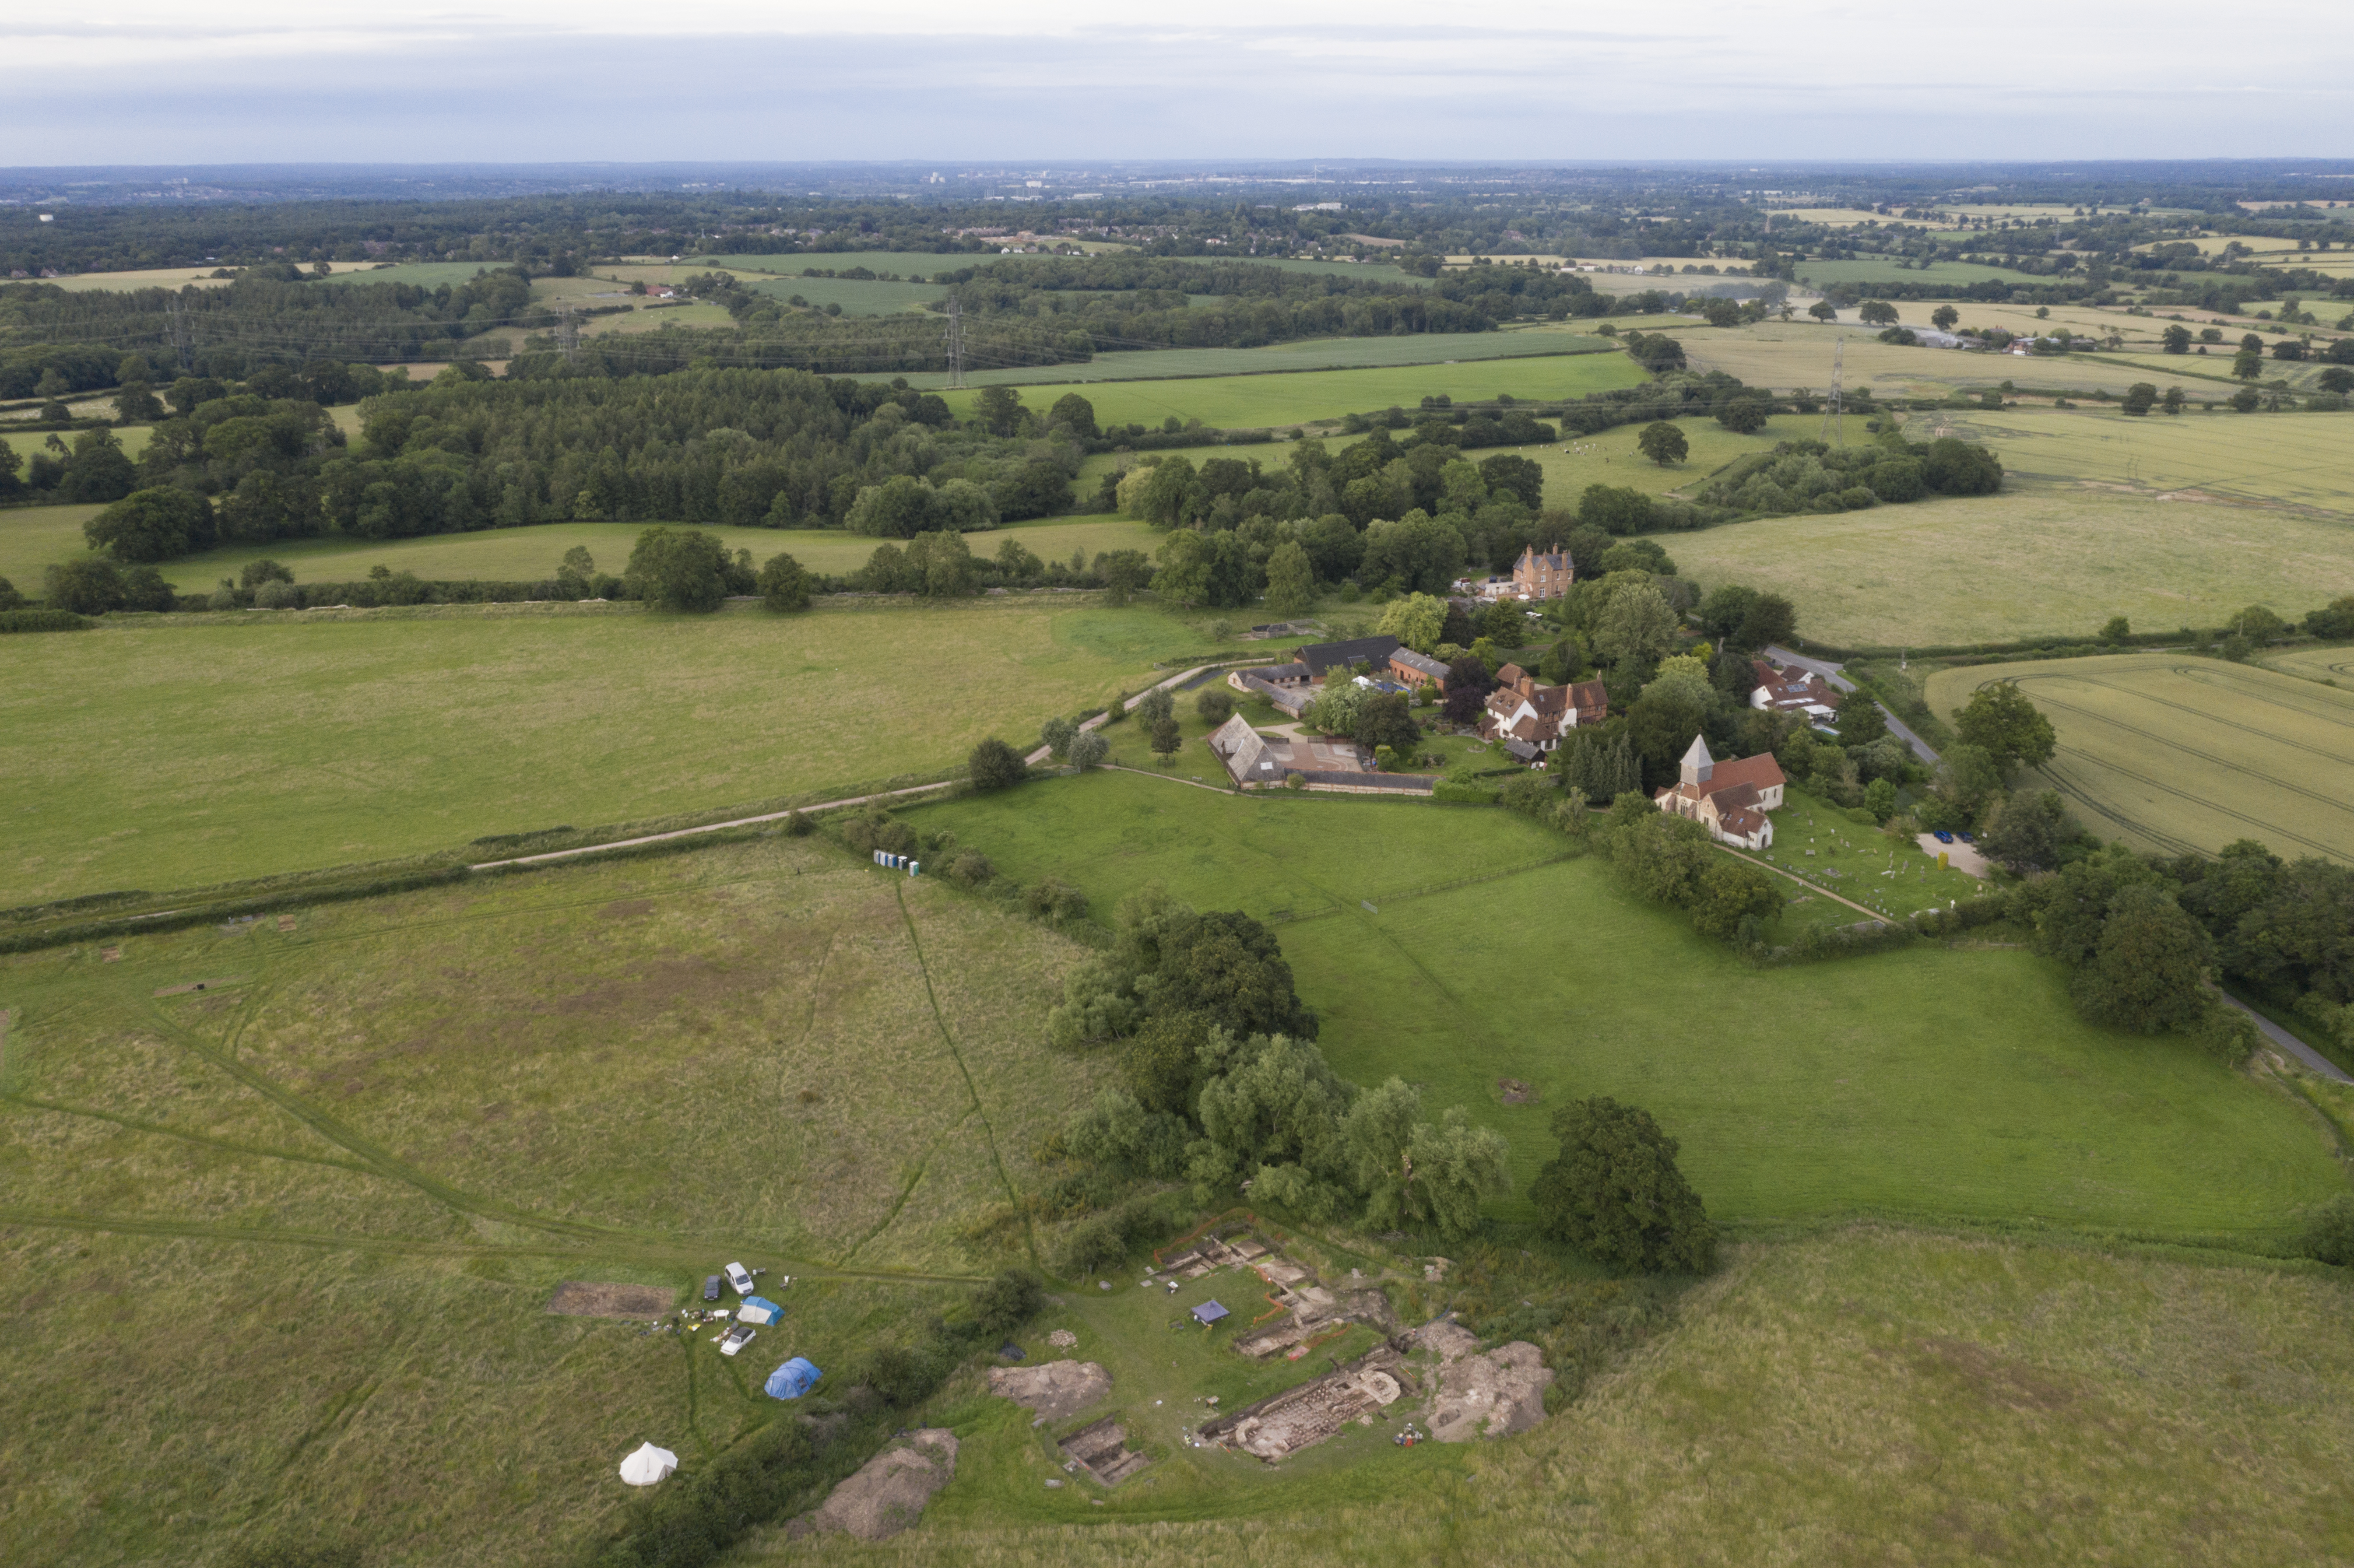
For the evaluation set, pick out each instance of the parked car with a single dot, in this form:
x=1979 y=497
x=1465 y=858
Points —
x=1943 y=837
x=736 y=1339
x=1970 y=838
x=740 y=1278
x=711 y=1287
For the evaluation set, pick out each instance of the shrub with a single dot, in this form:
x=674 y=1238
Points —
x=41 y=620
x=2329 y=1233
x=970 y=868
x=1215 y=704
x=994 y=765
x=277 y=595
x=1055 y=901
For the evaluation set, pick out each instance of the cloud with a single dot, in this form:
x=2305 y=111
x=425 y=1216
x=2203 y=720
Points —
x=274 y=82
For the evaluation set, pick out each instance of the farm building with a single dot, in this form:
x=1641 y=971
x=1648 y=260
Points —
x=1323 y=658
x=1416 y=669
x=1731 y=798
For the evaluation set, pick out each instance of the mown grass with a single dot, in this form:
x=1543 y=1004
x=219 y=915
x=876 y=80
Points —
x=2293 y=459
x=1230 y=398
x=285 y=1242
x=34 y=537
x=1953 y=1084
x=2177 y=754
x=1866 y=1397
x=169 y=751
x=2033 y=560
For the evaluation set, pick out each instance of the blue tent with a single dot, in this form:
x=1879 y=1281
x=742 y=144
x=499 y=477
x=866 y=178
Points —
x=759 y=1309
x=792 y=1380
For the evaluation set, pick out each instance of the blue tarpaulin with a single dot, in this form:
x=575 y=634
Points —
x=792 y=1380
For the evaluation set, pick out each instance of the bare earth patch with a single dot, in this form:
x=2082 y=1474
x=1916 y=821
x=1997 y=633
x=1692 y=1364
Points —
x=889 y=1491
x=579 y=1299
x=1053 y=1390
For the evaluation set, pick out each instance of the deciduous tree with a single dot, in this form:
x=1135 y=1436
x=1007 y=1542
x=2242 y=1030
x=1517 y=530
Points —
x=1613 y=1191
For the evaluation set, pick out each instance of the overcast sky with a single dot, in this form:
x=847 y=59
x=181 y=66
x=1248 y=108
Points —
x=529 y=80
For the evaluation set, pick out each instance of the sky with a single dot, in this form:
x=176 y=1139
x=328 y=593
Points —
x=141 y=81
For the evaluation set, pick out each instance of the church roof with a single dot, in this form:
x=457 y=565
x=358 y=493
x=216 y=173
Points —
x=1698 y=756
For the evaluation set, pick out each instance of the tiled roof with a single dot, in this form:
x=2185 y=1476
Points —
x=1320 y=657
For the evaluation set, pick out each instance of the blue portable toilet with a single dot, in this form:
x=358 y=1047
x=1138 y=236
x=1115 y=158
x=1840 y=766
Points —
x=792 y=1380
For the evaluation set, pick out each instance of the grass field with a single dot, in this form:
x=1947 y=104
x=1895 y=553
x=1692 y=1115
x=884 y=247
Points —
x=33 y=537
x=1838 y=1088
x=190 y=750
x=1309 y=353
x=285 y=1242
x=415 y=275
x=2294 y=460
x=152 y=278
x=2178 y=754
x=2032 y=561
x=1783 y=355
x=133 y=438
x=1852 y=1400
x=1234 y=400
x=1821 y=274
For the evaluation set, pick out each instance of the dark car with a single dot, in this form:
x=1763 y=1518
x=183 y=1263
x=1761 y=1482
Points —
x=1943 y=837
x=1970 y=838
x=711 y=1287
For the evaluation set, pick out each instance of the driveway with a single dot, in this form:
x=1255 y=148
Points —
x=1838 y=682
x=2291 y=1043
x=1960 y=856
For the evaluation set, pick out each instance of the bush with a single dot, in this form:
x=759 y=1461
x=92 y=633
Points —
x=41 y=620
x=1215 y=704
x=2329 y=1233
x=994 y=765
x=970 y=868
x=1468 y=794
x=1055 y=901
x=277 y=595
x=875 y=828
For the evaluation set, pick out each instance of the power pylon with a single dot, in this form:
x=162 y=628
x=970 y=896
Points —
x=1834 y=425
x=956 y=345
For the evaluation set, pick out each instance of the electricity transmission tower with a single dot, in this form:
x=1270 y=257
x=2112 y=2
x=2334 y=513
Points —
x=956 y=345
x=183 y=333
x=1834 y=426
x=568 y=331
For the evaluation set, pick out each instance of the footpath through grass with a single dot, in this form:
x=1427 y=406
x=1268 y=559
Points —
x=1929 y=1082
x=170 y=751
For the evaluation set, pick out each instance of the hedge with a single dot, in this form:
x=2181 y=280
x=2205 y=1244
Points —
x=42 y=620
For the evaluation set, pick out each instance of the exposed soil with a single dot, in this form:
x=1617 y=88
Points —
x=580 y=1298
x=889 y=1491
x=1516 y=1093
x=1054 y=1390
x=1490 y=1395
x=1102 y=1451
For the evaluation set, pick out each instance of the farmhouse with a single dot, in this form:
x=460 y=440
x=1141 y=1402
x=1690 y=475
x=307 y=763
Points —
x=1536 y=575
x=1536 y=717
x=1801 y=692
x=1731 y=798
x=1323 y=658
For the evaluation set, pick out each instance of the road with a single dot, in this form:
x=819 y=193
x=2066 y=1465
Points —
x=1830 y=672
x=2292 y=1044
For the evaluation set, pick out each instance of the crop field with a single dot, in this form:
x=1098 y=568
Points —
x=2334 y=665
x=1234 y=401
x=163 y=752
x=415 y=275
x=2289 y=460
x=856 y=297
x=2030 y=561
x=1783 y=355
x=152 y=278
x=2178 y=754
x=1838 y=1091
x=1310 y=353
x=33 y=537
x=285 y=1242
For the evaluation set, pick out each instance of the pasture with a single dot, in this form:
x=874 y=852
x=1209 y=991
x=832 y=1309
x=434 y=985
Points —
x=134 y=439
x=151 y=278
x=2177 y=755
x=415 y=275
x=1308 y=354
x=2287 y=460
x=2032 y=561
x=1869 y=270
x=1842 y=1087
x=1786 y=354
x=166 y=751
x=36 y=537
x=1235 y=400
x=285 y=1242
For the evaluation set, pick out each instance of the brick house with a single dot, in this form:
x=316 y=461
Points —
x=1520 y=709
x=1416 y=669
x=1731 y=798
x=1542 y=575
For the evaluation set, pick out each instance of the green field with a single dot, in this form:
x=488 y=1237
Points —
x=166 y=752
x=33 y=537
x=133 y=438
x=2176 y=753
x=1233 y=400
x=2032 y=561
x=1797 y=1093
x=1309 y=353
x=855 y=296
x=415 y=275
x=2333 y=665
x=1783 y=355
x=285 y=1243
x=1870 y=1397
x=2298 y=459
x=1821 y=274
